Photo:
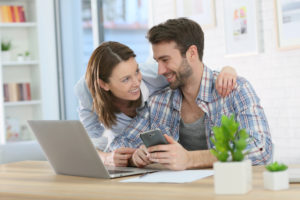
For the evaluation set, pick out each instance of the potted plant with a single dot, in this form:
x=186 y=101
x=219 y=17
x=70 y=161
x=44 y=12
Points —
x=276 y=177
x=5 y=50
x=232 y=174
x=27 y=55
x=20 y=57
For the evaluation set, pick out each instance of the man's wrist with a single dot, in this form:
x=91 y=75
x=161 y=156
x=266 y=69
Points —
x=200 y=159
x=191 y=161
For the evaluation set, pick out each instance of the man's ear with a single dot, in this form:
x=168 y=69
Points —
x=103 y=85
x=192 y=53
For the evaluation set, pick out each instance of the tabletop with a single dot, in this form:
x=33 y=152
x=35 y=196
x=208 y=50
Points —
x=37 y=180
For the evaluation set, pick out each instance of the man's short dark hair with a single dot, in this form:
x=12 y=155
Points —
x=183 y=31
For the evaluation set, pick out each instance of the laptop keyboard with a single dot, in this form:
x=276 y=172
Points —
x=117 y=171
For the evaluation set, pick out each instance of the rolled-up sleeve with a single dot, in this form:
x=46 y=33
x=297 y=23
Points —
x=251 y=116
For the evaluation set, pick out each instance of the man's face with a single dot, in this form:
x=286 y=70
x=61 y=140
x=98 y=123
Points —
x=171 y=64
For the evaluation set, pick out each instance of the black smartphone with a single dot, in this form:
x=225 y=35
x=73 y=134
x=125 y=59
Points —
x=153 y=137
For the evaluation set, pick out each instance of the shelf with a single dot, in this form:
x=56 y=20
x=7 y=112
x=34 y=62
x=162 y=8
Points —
x=19 y=63
x=18 y=25
x=22 y=103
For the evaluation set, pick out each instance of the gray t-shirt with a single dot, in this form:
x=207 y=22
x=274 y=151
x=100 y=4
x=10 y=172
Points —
x=192 y=136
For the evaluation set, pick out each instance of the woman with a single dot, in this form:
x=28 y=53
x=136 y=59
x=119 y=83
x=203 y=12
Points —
x=117 y=89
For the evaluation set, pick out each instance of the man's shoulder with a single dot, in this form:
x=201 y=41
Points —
x=242 y=82
x=164 y=94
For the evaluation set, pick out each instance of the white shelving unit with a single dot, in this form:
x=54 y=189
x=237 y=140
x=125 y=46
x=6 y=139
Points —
x=39 y=71
x=17 y=25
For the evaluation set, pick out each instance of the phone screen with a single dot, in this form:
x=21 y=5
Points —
x=153 y=137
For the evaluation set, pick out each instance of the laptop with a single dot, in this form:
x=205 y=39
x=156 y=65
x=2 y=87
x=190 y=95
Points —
x=70 y=151
x=294 y=175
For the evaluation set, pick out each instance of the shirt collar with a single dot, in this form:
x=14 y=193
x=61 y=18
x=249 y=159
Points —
x=205 y=91
x=144 y=93
x=206 y=85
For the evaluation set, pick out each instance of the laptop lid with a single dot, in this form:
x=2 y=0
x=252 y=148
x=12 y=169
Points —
x=70 y=151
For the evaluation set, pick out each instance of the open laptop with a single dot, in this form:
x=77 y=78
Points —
x=70 y=151
x=294 y=175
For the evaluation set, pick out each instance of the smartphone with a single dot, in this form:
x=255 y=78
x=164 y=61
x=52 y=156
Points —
x=153 y=137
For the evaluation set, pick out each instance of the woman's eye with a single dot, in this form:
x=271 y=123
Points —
x=125 y=80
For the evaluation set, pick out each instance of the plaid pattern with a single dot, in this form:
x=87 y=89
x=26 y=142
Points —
x=163 y=111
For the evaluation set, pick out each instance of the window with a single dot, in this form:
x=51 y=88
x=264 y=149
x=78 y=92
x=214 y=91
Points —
x=122 y=21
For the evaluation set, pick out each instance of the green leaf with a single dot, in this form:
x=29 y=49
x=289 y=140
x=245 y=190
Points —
x=223 y=156
x=238 y=155
x=5 y=46
x=240 y=144
x=214 y=152
x=228 y=139
x=243 y=134
x=275 y=167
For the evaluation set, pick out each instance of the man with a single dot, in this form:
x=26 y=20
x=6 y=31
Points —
x=187 y=111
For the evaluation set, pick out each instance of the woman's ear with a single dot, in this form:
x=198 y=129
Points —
x=103 y=85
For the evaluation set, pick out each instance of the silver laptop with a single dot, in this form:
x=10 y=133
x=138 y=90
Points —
x=70 y=151
x=294 y=175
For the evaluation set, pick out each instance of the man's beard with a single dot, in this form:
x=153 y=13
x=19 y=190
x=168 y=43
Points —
x=185 y=71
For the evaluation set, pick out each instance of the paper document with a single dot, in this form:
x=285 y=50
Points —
x=171 y=176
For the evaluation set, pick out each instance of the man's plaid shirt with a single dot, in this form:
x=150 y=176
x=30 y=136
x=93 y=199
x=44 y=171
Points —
x=162 y=111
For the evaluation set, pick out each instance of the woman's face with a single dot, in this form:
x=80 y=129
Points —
x=125 y=80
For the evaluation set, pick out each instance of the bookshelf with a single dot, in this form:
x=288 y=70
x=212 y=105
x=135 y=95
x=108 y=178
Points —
x=28 y=82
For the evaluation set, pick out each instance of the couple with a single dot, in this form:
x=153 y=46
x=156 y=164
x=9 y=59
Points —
x=123 y=104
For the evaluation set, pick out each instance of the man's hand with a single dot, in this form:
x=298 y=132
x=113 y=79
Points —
x=226 y=81
x=140 y=157
x=173 y=155
x=118 y=157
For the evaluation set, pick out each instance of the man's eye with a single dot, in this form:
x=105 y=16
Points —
x=137 y=71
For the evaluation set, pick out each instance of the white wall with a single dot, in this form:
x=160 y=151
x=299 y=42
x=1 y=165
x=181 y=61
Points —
x=273 y=73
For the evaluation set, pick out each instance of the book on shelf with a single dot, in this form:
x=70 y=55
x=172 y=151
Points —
x=16 y=92
x=12 y=14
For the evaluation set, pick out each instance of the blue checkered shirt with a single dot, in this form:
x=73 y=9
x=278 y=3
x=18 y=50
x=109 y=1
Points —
x=162 y=111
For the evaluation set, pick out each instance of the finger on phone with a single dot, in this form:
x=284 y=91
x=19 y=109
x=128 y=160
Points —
x=126 y=150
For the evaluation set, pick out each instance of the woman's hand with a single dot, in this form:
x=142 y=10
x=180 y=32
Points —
x=118 y=157
x=226 y=81
x=140 y=157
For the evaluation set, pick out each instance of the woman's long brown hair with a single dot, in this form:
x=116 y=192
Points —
x=101 y=64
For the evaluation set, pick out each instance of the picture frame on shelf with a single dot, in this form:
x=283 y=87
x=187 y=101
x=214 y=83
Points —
x=201 y=11
x=288 y=24
x=241 y=27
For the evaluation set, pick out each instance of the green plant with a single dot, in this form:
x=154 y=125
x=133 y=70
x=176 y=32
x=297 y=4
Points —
x=27 y=53
x=5 y=46
x=229 y=141
x=276 y=167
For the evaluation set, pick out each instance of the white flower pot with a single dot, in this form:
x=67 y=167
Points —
x=276 y=180
x=20 y=58
x=5 y=55
x=233 y=177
